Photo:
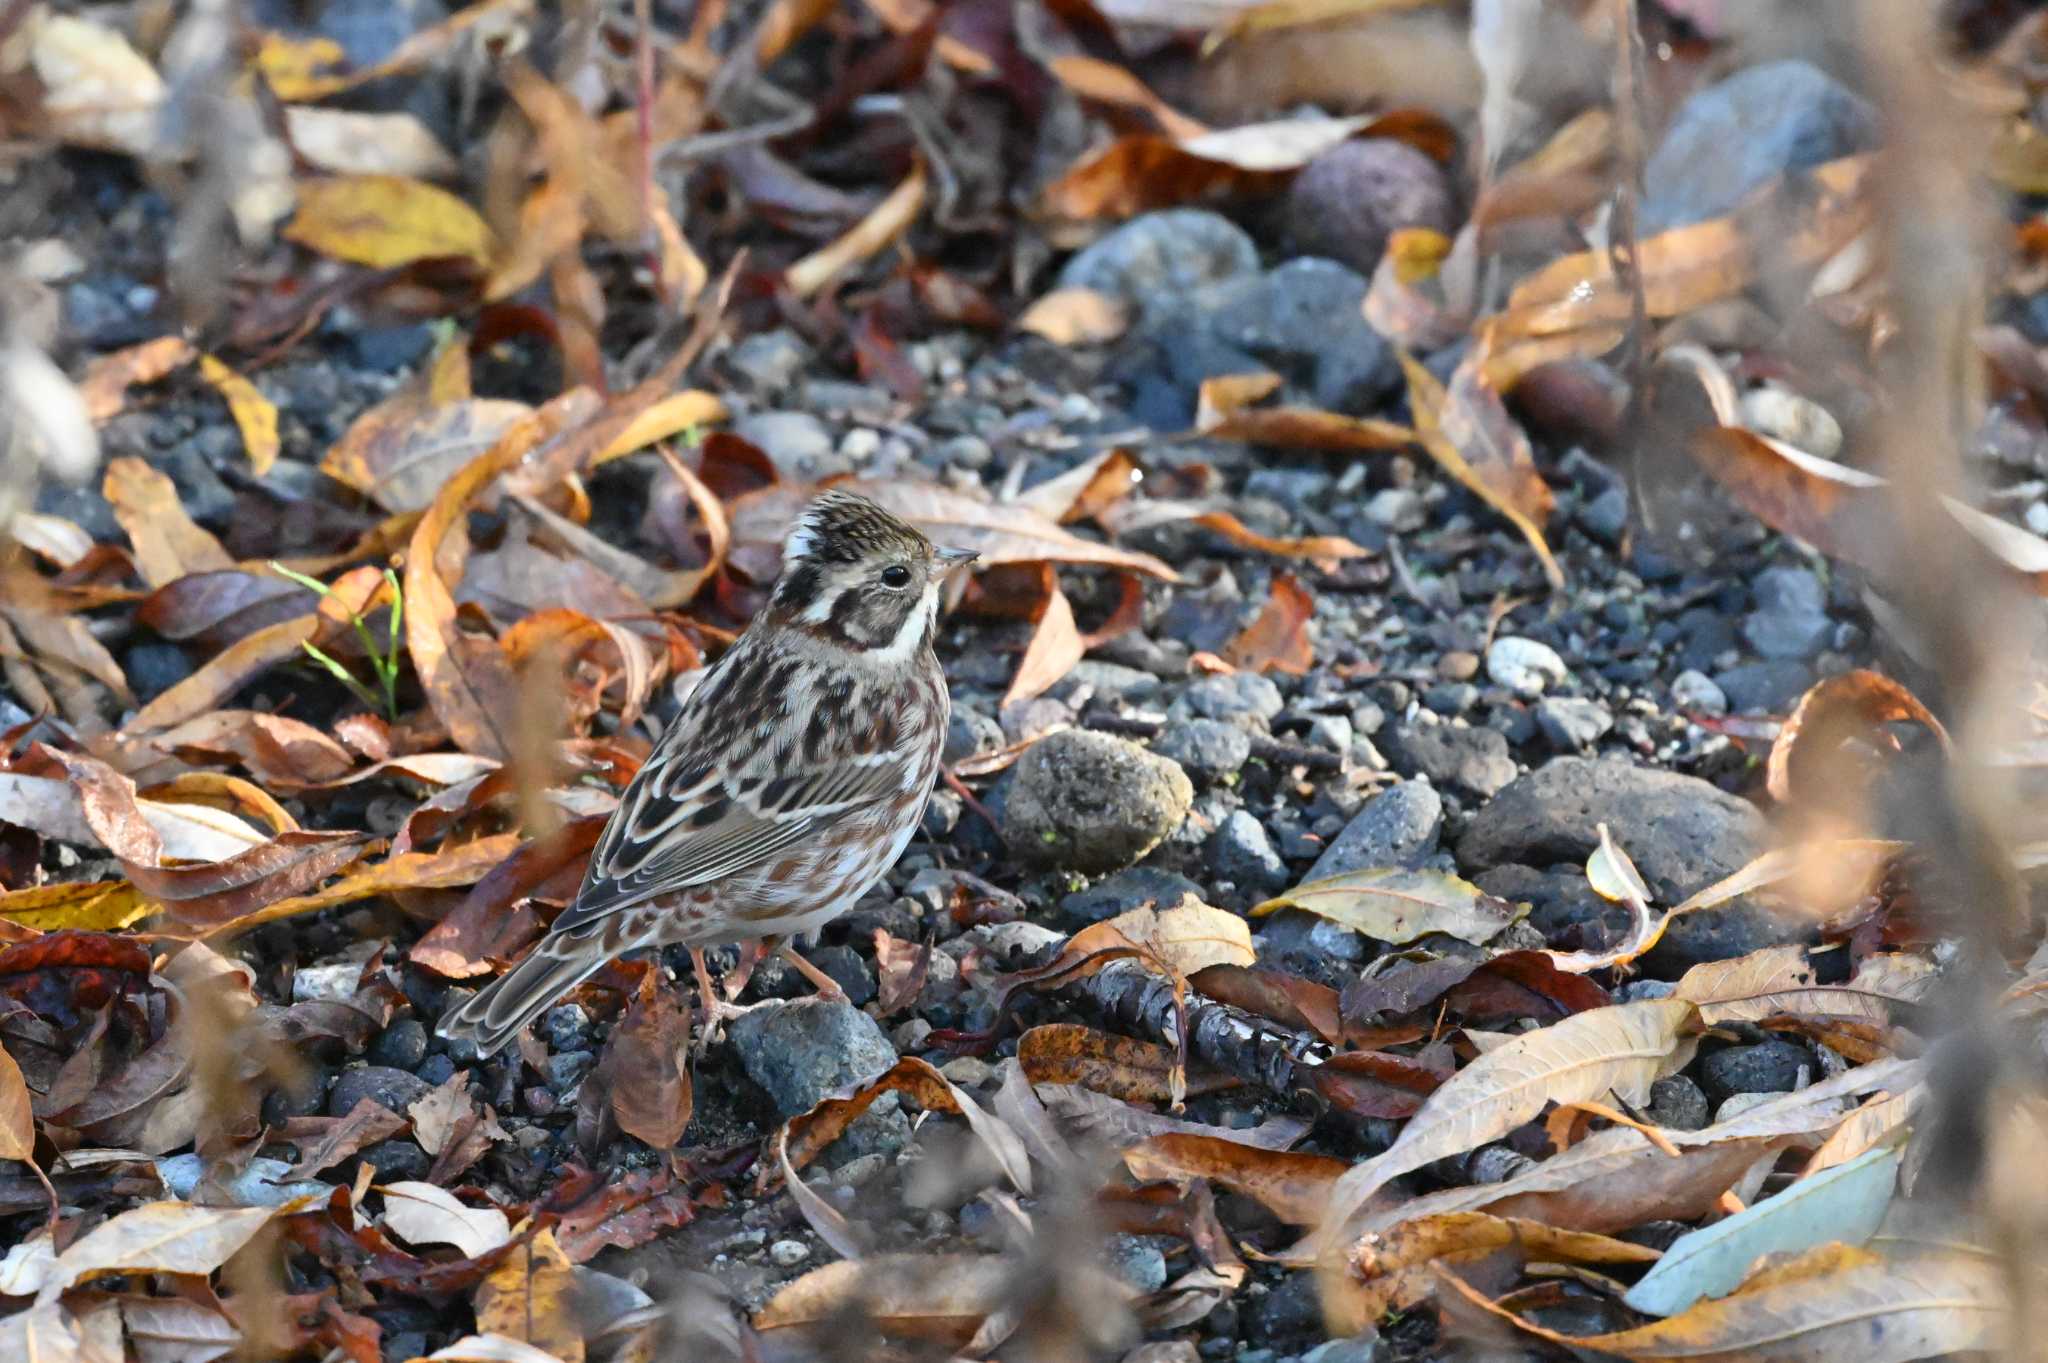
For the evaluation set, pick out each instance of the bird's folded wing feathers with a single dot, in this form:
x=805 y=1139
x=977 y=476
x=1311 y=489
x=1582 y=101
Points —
x=663 y=842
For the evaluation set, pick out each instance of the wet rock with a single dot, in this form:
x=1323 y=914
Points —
x=801 y=1051
x=1208 y=750
x=1136 y=1260
x=401 y=1046
x=1450 y=755
x=1303 y=320
x=1133 y=888
x=1093 y=803
x=1572 y=725
x=1398 y=827
x=1764 y=688
x=1290 y=1314
x=387 y=1087
x=798 y=443
x=1239 y=851
x=1346 y=202
x=1153 y=262
x=1789 y=620
x=1695 y=693
x=1527 y=667
x=1677 y=1102
x=1767 y=1067
x=1730 y=138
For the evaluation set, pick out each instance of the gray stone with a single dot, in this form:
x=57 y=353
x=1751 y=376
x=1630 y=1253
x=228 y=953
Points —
x=1730 y=138
x=969 y=732
x=1134 y=888
x=1768 y=1067
x=260 y=1183
x=1572 y=725
x=1208 y=750
x=387 y=1087
x=800 y=445
x=1527 y=667
x=1232 y=696
x=1764 y=688
x=1694 y=693
x=1677 y=1102
x=1137 y=1261
x=1450 y=755
x=804 y=1050
x=1681 y=832
x=1090 y=802
x=401 y=1046
x=1111 y=681
x=1346 y=202
x=1396 y=508
x=1304 y=321
x=1789 y=620
x=1239 y=851
x=1604 y=515
x=768 y=361
x=1153 y=262
x=566 y=1027
x=1295 y=489
x=1398 y=827
x=849 y=968
x=154 y=667
x=788 y=1253
x=1306 y=936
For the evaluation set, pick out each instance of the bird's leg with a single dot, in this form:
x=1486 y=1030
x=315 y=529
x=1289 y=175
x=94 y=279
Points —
x=750 y=956
x=827 y=987
x=716 y=1008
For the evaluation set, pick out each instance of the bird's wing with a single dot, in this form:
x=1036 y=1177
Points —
x=712 y=801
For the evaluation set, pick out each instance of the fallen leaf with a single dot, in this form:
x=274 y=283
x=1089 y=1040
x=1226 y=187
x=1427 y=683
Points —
x=1832 y=1302
x=1622 y=1048
x=387 y=220
x=1843 y=1204
x=46 y=1333
x=943 y=1298
x=443 y=869
x=401 y=452
x=647 y=1066
x=97 y=91
x=488 y=1348
x=1056 y=645
x=1108 y=83
x=1294 y=1187
x=1851 y=708
x=1391 y=1270
x=1399 y=905
x=532 y=1296
x=1778 y=980
x=168 y=545
x=810 y=1133
x=1087 y=1113
x=1122 y=1067
x=1821 y=875
x=1076 y=317
x=255 y=415
x=108 y=378
x=1612 y=876
x=17 y=1122
x=349 y=142
x=889 y=219
x=1380 y=1083
x=427 y=1215
x=1277 y=639
x=92 y=906
x=217 y=609
x=190 y=831
x=324 y=1142
x=1466 y=428
x=158 y=1237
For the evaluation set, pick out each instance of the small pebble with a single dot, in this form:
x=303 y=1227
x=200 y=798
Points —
x=788 y=1253
x=1526 y=667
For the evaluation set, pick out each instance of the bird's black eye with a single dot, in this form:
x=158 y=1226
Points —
x=895 y=575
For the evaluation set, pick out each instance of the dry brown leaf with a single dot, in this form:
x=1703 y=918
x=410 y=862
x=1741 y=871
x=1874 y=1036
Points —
x=1614 y=877
x=188 y=831
x=81 y=905
x=1277 y=639
x=1056 y=645
x=1294 y=1187
x=1398 y=905
x=1076 y=317
x=401 y=452
x=1622 y=1048
x=255 y=415
x=108 y=378
x=17 y=1122
x=386 y=220
x=531 y=1296
x=809 y=1134
x=1224 y=410
x=1122 y=1067
x=447 y=868
x=1466 y=428
x=168 y=545
x=890 y=219
x=647 y=1066
x=1832 y=1302
x=1391 y=1270
x=1844 y=709
x=1108 y=83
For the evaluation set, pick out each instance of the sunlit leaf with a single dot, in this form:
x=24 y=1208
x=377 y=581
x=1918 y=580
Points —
x=1397 y=905
x=386 y=220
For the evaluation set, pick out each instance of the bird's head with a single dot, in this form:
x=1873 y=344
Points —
x=862 y=577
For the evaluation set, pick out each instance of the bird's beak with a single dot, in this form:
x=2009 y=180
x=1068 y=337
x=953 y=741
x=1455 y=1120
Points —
x=953 y=558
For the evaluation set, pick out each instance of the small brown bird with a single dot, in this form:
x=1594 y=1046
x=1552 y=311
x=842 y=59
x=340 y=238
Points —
x=790 y=781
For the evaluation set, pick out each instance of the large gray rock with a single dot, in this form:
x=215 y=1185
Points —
x=1304 y=320
x=805 y=1050
x=1681 y=832
x=1346 y=202
x=1155 y=261
x=1398 y=827
x=1089 y=802
x=1732 y=137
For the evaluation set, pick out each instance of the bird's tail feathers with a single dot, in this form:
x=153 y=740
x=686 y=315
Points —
x=523 y=993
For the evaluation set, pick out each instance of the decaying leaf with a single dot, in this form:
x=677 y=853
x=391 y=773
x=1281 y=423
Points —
x=158 y=1237
x=1277 y=638
x=1295 y=1187
x=943 y=1298
x=1849 y=708
x=531 y=1296
x=385 y=220
x=647 y=1067
x=255 y=415
x=1397 y=905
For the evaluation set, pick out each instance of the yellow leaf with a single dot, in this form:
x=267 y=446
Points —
x=531 y=1296
x=94 y=906
x=386 y=220
x=297 y=68
x=254 y=414
x=669 y=417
